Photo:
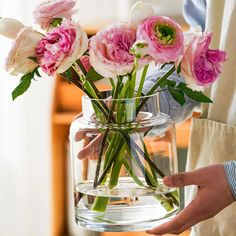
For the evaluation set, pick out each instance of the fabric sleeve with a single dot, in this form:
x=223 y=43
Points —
x=194 y=12
x=230 y=171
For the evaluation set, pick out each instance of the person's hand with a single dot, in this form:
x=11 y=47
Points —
x=91 y=146
x=213 y=196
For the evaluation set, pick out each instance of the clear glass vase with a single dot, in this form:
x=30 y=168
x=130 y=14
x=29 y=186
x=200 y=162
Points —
x=121 y=149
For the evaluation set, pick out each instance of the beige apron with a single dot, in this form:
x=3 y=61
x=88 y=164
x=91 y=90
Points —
x=213 y=137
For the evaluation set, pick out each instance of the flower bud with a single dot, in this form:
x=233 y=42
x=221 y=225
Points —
x=10 y=27
x=140 y=49
x=139 y=12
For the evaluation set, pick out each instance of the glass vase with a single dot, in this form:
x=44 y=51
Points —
x=120 y=150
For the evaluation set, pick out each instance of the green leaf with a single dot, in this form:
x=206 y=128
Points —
x=36 y=72
x=178 y=95
x=163 y=83
x=171 y=83
x=92 y=75
x=195 y=95
x=23 y=86
x=33 y=59
x=166 y=82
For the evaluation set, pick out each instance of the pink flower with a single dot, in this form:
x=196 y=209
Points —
x=85 y=62
x=200 y=65
x=110 y=50
x=164 y=37
x=61 y=47
x=49 y=10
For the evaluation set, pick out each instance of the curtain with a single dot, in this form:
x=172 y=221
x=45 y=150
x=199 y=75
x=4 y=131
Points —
x=24 y=144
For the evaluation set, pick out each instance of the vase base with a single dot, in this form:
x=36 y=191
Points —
x=126 y=207
x=111 y=227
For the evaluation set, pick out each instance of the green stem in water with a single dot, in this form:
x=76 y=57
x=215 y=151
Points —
x=132 y=143
x=100 y=204
x=116 y=168
x=100 y=158
x=146 y=152
x=131 y=173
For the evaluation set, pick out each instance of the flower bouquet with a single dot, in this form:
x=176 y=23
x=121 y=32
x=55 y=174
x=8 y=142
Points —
x=123 y=145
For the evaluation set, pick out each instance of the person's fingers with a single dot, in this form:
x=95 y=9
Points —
x=191 y=215
x=185 y=179
x=81 y=134
x=93 y=147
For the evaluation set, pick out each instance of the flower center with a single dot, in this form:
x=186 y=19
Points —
x=165 y=33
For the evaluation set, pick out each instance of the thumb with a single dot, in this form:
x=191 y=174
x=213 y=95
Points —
x=184 y=179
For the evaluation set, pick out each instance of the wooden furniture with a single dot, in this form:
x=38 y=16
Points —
x=138 y=234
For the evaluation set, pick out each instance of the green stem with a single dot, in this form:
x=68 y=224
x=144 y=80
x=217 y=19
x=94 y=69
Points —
x=133 y=155
x=140 y=89
x=131 y=173
x=100 y=158
x=109 y=163
x=155 y=86
x=132 y=143
x=81 y=66
x=100 y=204
x=92 y=90
x=146 y=152
x=116 y=168
x=78 y=84
x=116 y=92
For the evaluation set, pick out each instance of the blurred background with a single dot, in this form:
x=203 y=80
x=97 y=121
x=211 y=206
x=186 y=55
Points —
x=34 y=169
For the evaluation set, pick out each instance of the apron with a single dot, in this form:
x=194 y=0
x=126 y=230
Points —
x=213 y=136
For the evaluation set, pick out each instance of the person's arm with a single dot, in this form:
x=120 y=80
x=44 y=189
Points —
x=168 y=105
x=213 y=195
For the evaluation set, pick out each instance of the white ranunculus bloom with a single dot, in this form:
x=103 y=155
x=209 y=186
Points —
x=10 y=27
x=23 y=47
x=140 y=48
x=139 y=12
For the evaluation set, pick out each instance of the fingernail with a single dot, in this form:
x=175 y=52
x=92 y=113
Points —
x=167 y=181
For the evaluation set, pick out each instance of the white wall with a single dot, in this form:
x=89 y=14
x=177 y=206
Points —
x=24 y=145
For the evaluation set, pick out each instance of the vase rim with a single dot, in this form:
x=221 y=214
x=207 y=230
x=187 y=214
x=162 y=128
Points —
x=118 y=99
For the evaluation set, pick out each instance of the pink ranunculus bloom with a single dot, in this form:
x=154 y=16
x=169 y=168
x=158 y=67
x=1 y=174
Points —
x=201 y=66
x=164 y=37
x=49 y=10
x=109 y=50
x=61 y=47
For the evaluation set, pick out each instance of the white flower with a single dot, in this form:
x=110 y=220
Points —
x=139 y=12
x=23 y=47
x=10 y=27
x=140 y=48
